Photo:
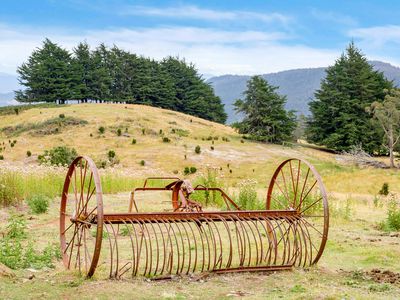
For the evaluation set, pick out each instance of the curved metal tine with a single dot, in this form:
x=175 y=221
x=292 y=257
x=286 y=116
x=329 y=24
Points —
x=213 y=245
x=179 y=270
x=199 y=229
x=310 y=242
x=147 y=244
x=246 y=222
x=165 y=244
x=229 y=261
x=204 y=232
x=139 y=245
x=132 y=246
x=217 y=257
x=267 y=235
x=111 y=249
x=115 y=246
x=272 y=234
x=170 y=223
x=277 y=244
x=295 y=243
x=189 y=238
x=249 y=221
x=243 y=256
x=170 y=255
x=304 y=242
x=239 y=241
x=157 y=244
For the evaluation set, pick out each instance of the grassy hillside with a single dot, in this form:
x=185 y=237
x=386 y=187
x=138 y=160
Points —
x=355 y=247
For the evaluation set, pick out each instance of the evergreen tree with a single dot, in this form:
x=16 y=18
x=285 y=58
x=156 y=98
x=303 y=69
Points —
x=265 y=118
x=339 y=119
x=82 y=70
x=46 y=75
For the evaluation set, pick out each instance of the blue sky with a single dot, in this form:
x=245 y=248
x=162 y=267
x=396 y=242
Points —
x=219 y=37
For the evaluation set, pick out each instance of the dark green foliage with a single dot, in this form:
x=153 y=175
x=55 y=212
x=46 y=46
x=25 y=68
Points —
x=212 y=147
x=133 y=141
x=265 y=117
x=47 y=75
x=142 y=162
x=111 y=154
x=392 y=222
x=339 y=119
x=166 y=139
x=61 y=116
x=17 y=251
x=197 y=149
x=101 y=129
x=110 y=74
x=119 y=131
x=38 y=204
x=60 y=155
x=189 y=170
x=385 y=189
x=1 y=157
x=28 y=153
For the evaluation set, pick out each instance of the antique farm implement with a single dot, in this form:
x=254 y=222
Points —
x=291 y=231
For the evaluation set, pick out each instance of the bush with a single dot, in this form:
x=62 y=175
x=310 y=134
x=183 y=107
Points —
x=119 y=131
x=384 y=190
x=111 y=154
x=166 y=139
x=61 y=116
x=28 y=153
x=197 y=150
x=38 y=204
x=1 y=157
x=247 y=198
x=212 y=148
x=142 y=162
x=392 y=222
x=189 y=170
x=102 y=130
x=57 y=156
x=16 y=252
x=133 y=141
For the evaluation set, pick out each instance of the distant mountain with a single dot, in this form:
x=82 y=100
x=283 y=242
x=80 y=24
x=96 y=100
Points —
x=298 y=85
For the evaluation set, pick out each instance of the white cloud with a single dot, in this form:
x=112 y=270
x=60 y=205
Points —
x=377 y=36
x=194 y=12
x=212 y=51
x=332 y=17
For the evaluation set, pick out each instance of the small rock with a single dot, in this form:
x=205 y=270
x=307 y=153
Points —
x=31 y=276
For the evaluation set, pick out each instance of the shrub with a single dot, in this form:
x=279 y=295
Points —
x=61 y=116
x=384 y=190
x=143 y=131
x=142 y=162
x=102 y=130
x=17 y=252
x=16 y=110
x=166 y=139
x=189 y=170
x=247 y=198
x=393 y=217
x=133 y=141
x=212 y=147
x=197 y=150
x=111 y=154
x=1 y=157
x=38 y=204
x=160 y=132
x=57 y=156
x=119 y=131
x=28 y=153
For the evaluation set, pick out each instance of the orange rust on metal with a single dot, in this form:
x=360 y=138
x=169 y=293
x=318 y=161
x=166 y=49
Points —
x=292 y=230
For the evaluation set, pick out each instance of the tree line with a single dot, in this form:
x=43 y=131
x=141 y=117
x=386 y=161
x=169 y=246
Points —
x=356 y=106
x=54 y=74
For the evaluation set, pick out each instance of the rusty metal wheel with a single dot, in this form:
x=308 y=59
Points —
x=81 y=204
x=296 y=185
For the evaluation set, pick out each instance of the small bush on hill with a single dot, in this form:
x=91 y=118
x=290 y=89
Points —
x=385 y=189
x=38 y=204
x=133 y=141
x=189 y=170
x=28 y=153
x=392 y=222
x=197 y=150
x=101 y=130
x=58 y=156
x=166 y=139
x=119 y=131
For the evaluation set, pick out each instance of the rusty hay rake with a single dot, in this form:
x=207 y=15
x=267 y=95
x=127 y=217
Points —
x=291 y=231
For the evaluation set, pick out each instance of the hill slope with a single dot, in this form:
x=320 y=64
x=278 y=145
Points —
x=298 y=85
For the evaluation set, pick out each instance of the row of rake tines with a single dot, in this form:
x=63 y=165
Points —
x=160 y=247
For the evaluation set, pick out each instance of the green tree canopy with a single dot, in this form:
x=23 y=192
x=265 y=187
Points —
x=265 y=117
x=112 y=74
x=47 y=75
x=339 y=119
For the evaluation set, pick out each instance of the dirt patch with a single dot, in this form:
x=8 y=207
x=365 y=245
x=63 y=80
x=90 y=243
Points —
x=383 y=276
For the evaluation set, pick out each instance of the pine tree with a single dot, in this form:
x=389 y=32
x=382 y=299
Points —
x=82 y=70
x=47 y=75
x=339 y=119
x=265 y=118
